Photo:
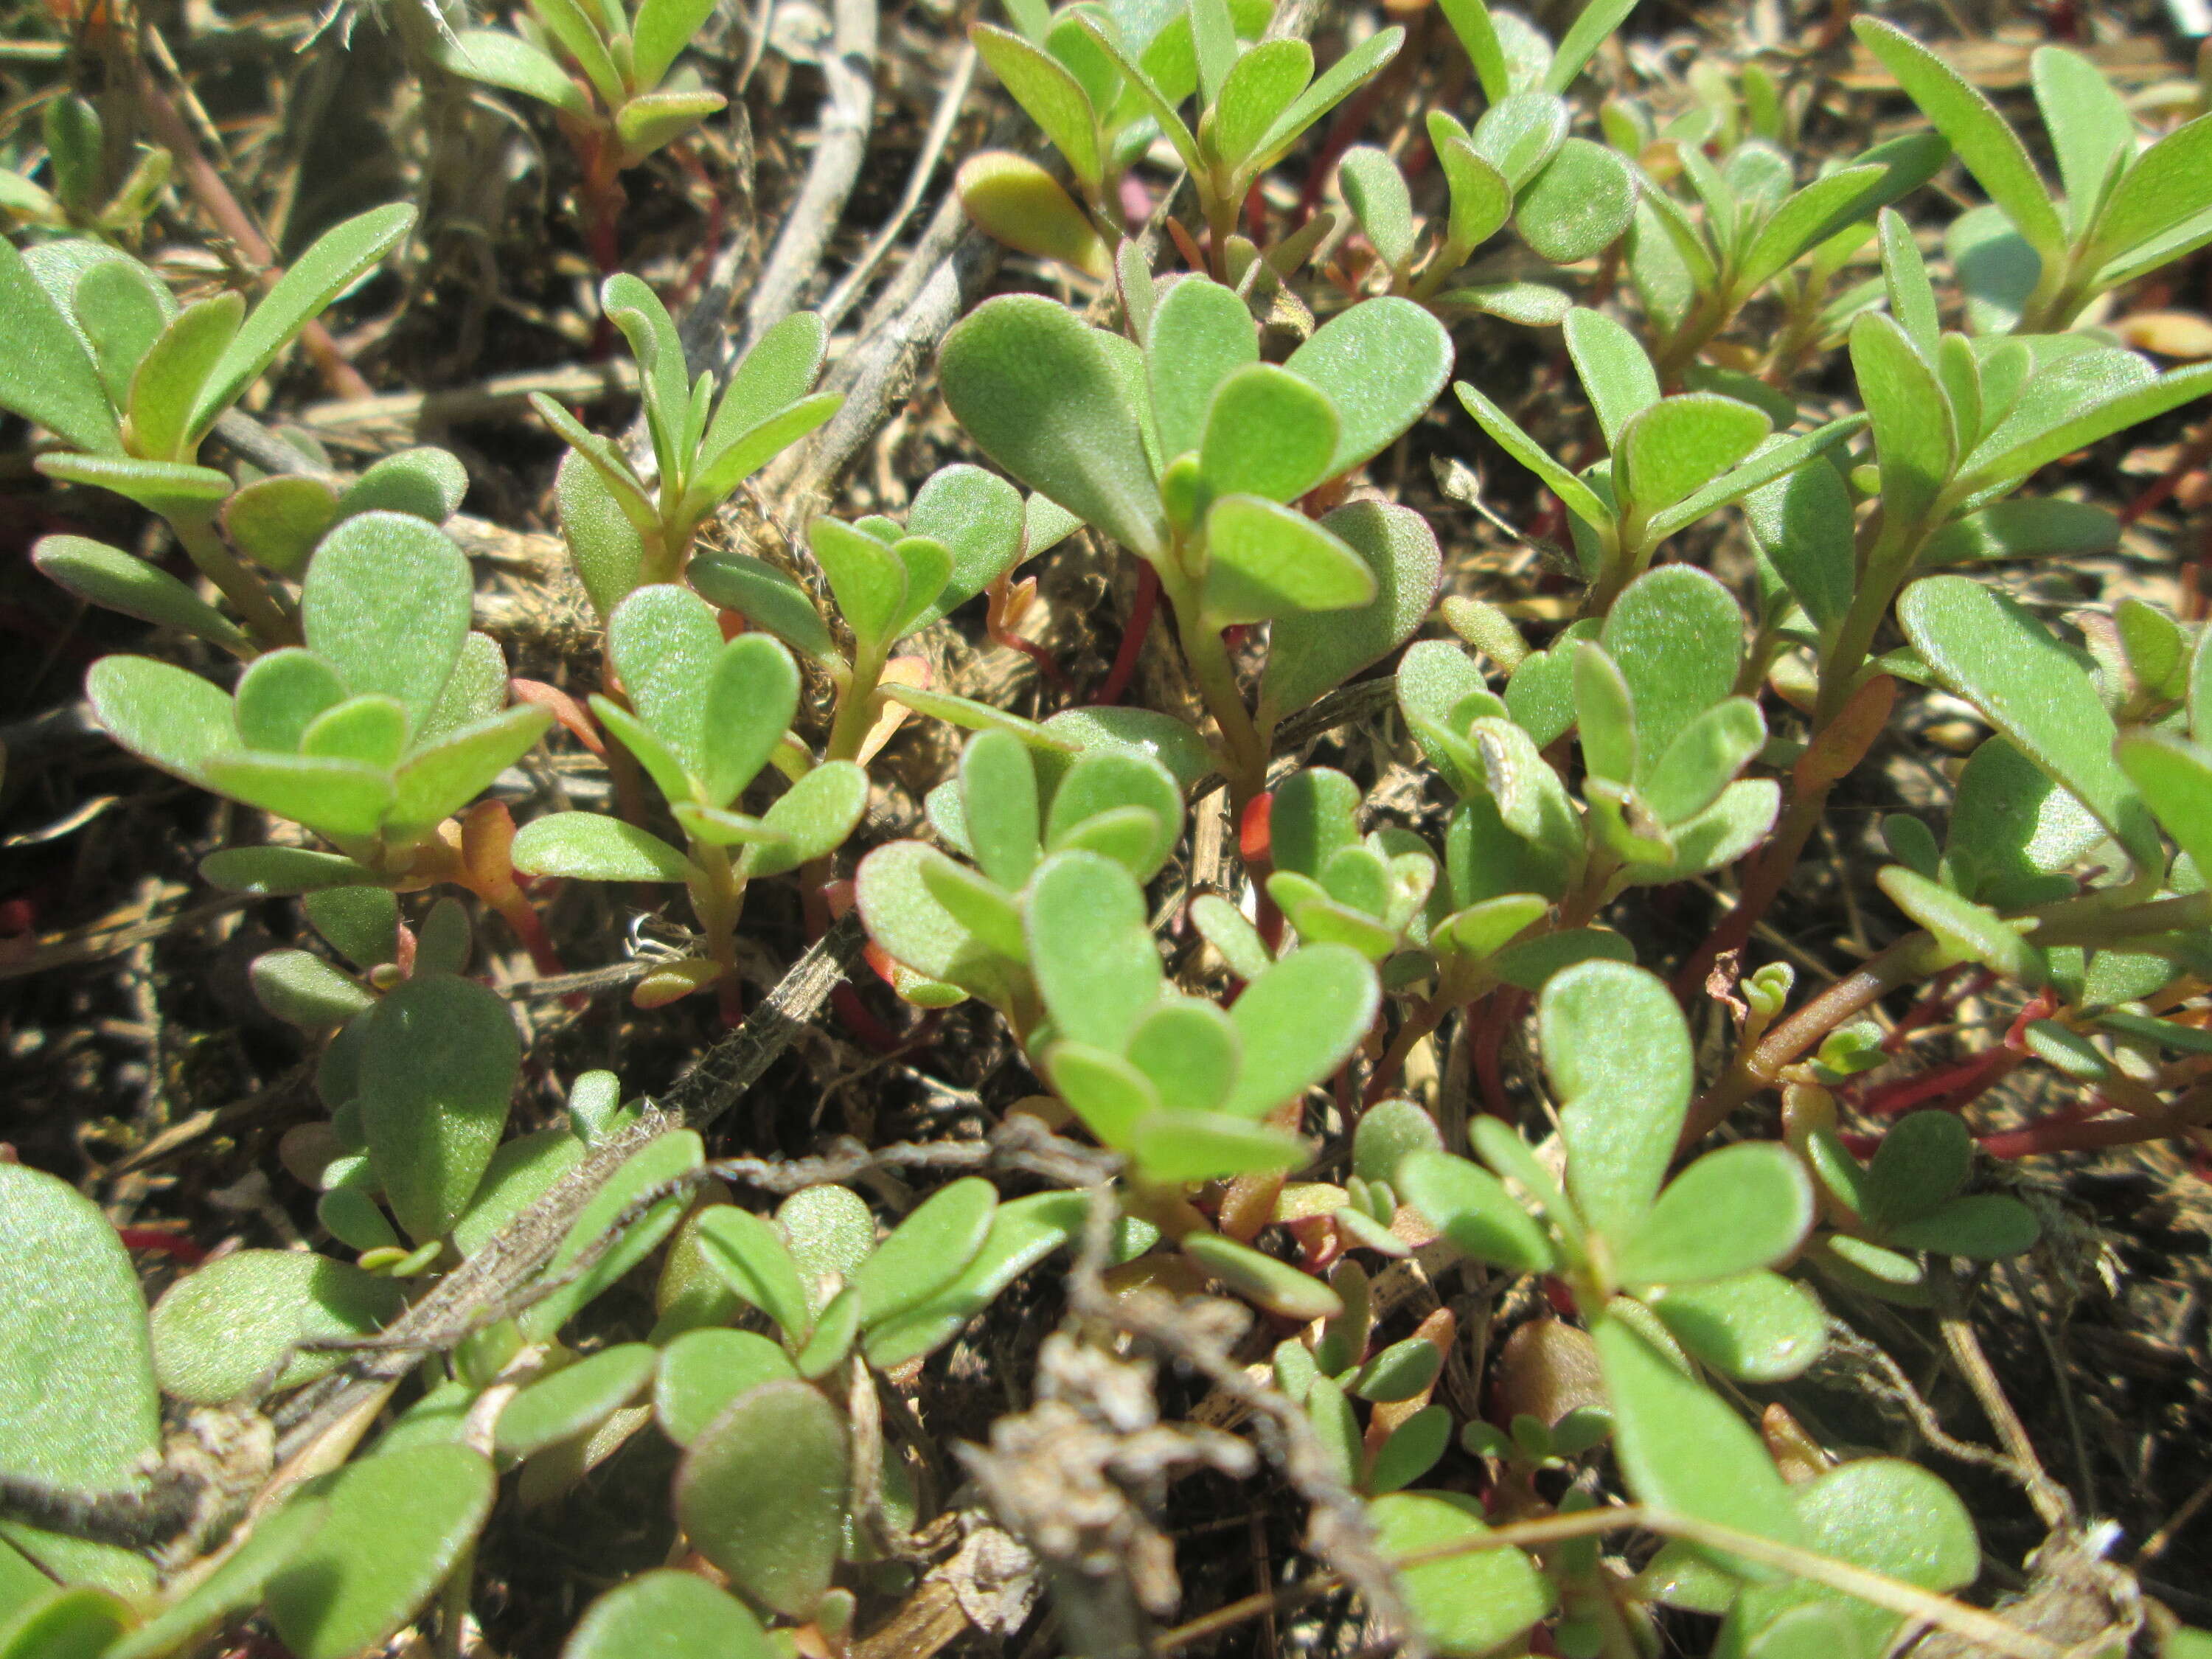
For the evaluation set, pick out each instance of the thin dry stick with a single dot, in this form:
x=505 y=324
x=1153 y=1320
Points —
x=850 y=285
x=848 y=108
x=2052 y=1501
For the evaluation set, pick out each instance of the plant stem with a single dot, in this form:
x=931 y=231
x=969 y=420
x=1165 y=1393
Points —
x=1244 y=756
x=717 y=902
x=855 y=713
x=267 y=618
x=1914 y=957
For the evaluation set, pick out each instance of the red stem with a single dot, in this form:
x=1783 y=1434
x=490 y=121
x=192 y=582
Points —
x=1142 y=610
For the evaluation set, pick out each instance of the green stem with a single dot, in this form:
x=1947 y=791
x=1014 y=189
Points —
x=855 y=700
x=1707 y=317
x=718 y=901
x=1244 y=753
x=266 y=618
x=1222 y=210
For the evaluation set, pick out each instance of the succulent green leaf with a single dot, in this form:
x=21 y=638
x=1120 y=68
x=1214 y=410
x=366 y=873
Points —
x=169 y=376
x=1987 y=649
x=591 y=847
x=1111 y=1094
x=1703 y=759
x=1023 y=1233
x=999 y=802
x=1757 y=1327
x=395 y=1525
x=109 y=577
x=1464 y=1604
x=1376 y=192
x=1266 y=560
x=426 y=482
x=565 y=1404
x=927 y=1252
x=2175 y=778
x=342 y=798
x=1577 y=496
x=1275 y=1285
x=1982 y=1226
x=1049 y=94
x=1311 y=653
x=2163 y=188
x=664 y=1159
x=1191 y=1052
x=1804 y=523
x=1092 y=947
x=48 y=377
x=1921 y=1164
x=172 y=488
x=978 y=517
x=1300 y=1021
x=339 y=257
x=500 y=59
x=226 y=1332
x=1174 y=1146
x=605 y=545
x=1581 y=203
x=440 y=778
x=1677 y=637
x=1041 y=395
x=2092 y=412
x=1261 y=86
x=666 y=1612
x=1330 y=88
x=1615 y=369
x=1970 y=932
x=1381 y=364
x=2090 y=127
x=651 y=119
x=1680 y=443
x=1481 y=200
x=1472 y=1209
x=78 y=1409
x=1990 y=149
x=1618 y=1053
x=1520 y=134
x=762 y=1494
x=752 y=1258
x=1682 y=1448
x=1881 y=1514
x=278 y=520
x=763 y=595
x=385 y=602
x=1742 y=1207
x=1122 y=805
x=1268 y=433
x=703 y=1372
x=439 y=1063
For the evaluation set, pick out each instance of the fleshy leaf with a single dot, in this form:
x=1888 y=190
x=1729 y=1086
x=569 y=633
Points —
x=1682 y=1447
x=1300 y=1021
x=1618 y=1053
x=1757 y=1327
x=1465 y=1604
x=762 y=1494
x=1039 y=393
x=1381 y=364
x=439 y=1061
x=395 y=1526
x=1742 y=1208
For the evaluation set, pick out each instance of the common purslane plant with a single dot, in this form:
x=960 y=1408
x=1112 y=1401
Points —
x=1240 y=1012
